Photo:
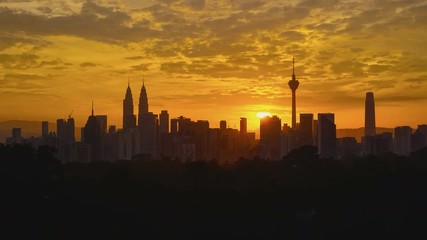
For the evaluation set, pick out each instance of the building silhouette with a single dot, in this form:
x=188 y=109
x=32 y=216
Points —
x=402 y=140
x=306 y=129
x=93 y=137
x=348 y=146
x=164 y=122
x=270 y=137
x=129 y=118
x=147 y=125
x=419 y=138
x=65 y=137
x=369 y=138
x=143 y=103
x=223 y=126
x=16 y=136
x=293 y=85
x=243 y=126
x=383 y=143
x=102 y=120
x=370 y=128
x=326 y=135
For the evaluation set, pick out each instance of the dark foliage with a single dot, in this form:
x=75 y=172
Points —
x=300 y=197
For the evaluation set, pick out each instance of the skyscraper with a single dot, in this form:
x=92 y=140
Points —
x=402 y=140
x=143 y=103
x=326 y=135
x=129 y=118
x=223 y=126
x=148 y=134
x=270 y=137
x=65 y=137
x=147 y=125
x=306 y=129
x=293 y=85
x=102 y=120
x=92 y=136
x=243 y=126
x=370 y=128
x=164 y=122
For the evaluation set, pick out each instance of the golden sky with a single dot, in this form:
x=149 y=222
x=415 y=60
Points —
x=214 y=59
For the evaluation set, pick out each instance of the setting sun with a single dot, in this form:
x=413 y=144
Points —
x=263 y=114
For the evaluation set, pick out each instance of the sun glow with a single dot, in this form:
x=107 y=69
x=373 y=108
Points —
x=263 y=114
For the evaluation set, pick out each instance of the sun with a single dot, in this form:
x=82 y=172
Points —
x=263 y=114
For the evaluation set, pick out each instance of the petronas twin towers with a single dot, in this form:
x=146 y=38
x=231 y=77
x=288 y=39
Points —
x=129 y=118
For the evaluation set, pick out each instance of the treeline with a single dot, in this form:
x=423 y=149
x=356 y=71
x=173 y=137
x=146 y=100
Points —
x=300 y=197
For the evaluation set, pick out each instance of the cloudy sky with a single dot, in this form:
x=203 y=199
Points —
x=214 y=59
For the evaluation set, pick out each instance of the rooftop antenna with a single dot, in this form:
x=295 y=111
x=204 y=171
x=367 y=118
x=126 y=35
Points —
x=71 y=113
x=92 y=108
x=293 y=67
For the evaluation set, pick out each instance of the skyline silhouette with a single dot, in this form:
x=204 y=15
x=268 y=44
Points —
x=155 y=136
x=213 y=119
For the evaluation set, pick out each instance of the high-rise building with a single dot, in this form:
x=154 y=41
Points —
x=201 y=134
x=147 y=125
x=326 y=135
x=315 y=128
x=370 y=128
x=102 y=120
x=65 y=137
x=293 y=85
x=93 y=137
x=383 y=143
x=270 y=137
x=143 y=103
x=223 y=126
x=148 y=134
x=402 y=140
x=129 y=118
x=174 y=126
x=243 y=126
x=306 y=129
x=164 y=122
x=419 y=138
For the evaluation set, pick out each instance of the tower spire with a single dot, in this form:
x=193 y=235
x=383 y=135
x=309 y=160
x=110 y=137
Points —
x=128 y=82
x=293 y=69
x=92 y=108
x=293 y=85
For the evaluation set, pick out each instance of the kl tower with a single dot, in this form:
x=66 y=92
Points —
x=293 y=85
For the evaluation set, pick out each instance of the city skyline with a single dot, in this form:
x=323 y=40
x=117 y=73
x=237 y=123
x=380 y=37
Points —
x=214 y=61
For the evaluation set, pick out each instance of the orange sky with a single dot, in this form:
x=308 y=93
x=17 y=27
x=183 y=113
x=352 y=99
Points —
x=214 y=60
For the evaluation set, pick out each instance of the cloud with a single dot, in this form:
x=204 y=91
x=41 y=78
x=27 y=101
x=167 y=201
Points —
x=141 y=67
x=21 y=81
x=19 y=61
x=341 y=47
x=8 y=40
x=92 y=22
x=88 y=64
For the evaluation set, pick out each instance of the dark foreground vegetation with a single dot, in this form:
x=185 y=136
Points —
x=300 y=197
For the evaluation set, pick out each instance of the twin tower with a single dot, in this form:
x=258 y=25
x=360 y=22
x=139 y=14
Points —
x=129 y=118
